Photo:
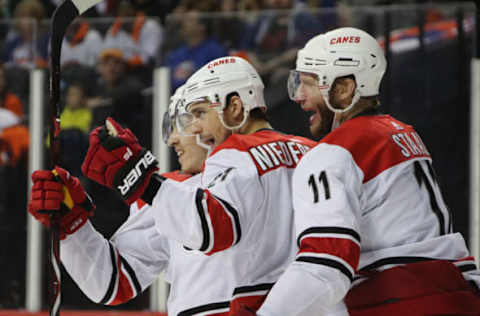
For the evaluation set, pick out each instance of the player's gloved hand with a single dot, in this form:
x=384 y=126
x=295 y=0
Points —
x=58 y=191
x=116 y=160
x=244 y=310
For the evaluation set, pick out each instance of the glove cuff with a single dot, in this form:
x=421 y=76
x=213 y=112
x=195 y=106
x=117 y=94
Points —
x=69 y=227
x=152 y=188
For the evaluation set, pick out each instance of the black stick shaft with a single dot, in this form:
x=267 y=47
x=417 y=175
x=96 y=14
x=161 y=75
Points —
x=65 y=13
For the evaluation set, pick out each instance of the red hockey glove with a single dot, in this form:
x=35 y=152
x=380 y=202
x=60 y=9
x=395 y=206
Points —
x=58 y=191
x=115 y=159
x=244 y=310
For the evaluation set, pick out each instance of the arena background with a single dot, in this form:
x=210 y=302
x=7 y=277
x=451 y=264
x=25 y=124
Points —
x=429 y=48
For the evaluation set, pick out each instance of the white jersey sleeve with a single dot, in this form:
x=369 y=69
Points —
x=113 y=271
x=326 y=201
x=212 y=217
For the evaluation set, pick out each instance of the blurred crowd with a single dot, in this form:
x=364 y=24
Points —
x=108 y=57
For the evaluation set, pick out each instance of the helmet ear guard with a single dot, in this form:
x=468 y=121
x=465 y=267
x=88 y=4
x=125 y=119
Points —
x=342 y=52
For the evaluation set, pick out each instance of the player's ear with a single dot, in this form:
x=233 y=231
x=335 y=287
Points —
x=235 y=108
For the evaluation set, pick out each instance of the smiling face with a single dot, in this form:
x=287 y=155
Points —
x=190 y=155
x=207 y=124
x=310 y=98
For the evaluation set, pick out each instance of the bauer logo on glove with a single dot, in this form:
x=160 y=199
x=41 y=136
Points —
x=135 y=174
x=116 y=159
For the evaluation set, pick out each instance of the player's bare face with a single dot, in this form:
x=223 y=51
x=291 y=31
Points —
x=311 y=100
x=207 y=124
x=190 y=155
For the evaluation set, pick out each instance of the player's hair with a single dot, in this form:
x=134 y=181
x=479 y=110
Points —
x=368 y=101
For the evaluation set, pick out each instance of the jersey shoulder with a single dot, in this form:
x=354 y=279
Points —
x=244 y=142
x=268 y=149
x=377 y=143
x=177 y=175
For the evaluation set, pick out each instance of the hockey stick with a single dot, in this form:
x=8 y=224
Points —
x=63 y=15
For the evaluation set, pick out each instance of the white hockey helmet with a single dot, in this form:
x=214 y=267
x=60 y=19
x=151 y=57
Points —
x=338 y=53
x=176 y=116
x=221 y=77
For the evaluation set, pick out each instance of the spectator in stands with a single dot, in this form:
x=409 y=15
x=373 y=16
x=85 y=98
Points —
x=81 y=45
x=76 y=114
x=24 y=46
x=198 y=49
x=75 y=123
x=173 y=23
x=14 y=139
x=229 y=27
x=9 y=100
x=117 y=94
x=273 y=39
x=139 y=39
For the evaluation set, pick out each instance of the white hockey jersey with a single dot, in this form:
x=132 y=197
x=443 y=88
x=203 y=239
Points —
x=244 y=205
x=112 y=272
x=365 y=198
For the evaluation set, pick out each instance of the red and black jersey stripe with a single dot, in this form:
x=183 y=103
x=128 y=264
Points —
x=123 y=284
x=334 y=247
x=252 y=296
x=219 y=220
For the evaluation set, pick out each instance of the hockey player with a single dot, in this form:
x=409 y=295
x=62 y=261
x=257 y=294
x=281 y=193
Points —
x=243 y=204
x=372 y=227
x=114 y=271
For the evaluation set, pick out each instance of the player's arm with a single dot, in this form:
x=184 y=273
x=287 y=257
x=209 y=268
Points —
x=211 y=218
x=208 y=219
x=114 y=271
x=326 y=199
x=109 y=272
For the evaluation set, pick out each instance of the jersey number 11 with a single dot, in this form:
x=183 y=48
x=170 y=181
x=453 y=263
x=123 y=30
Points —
x=322 y=179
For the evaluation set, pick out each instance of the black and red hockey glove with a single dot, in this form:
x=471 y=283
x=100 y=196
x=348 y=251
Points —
x=116 y=160
x=58 y=191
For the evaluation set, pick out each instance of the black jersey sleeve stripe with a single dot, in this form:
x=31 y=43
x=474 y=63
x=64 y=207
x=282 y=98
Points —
x=253 y=288
x=329 y=230
x=234 y=214
x=113 y=279
x=132 y=275
x=327 y=262
x=205 y=308
x=412 y=259
x=201 y=212
x=394 y=260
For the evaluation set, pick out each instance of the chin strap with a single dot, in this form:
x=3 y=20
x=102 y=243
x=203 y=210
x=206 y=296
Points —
x=246 y=112
x=203 y=145
x=336 y=122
